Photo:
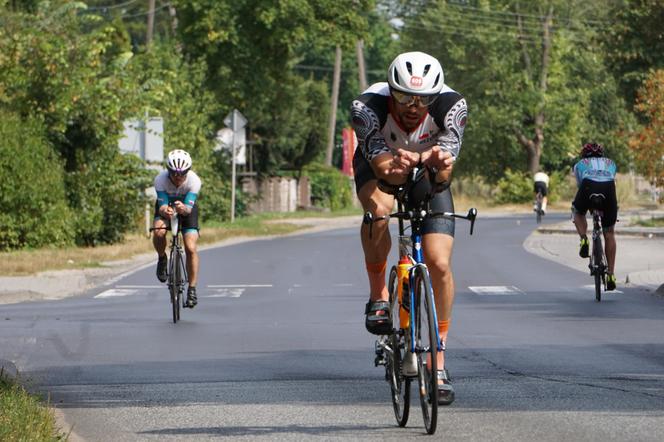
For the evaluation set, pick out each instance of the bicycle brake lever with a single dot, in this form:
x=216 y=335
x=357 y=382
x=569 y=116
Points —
x=472 y=214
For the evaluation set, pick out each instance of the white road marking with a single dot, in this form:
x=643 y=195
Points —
x=226 y=293
x=140 y=286
x=215 y=286
x=113 y=293
x=496 y=290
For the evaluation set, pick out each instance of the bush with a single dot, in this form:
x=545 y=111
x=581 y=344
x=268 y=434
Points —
x=515 y=187
x=32 y=191
x=329 y=187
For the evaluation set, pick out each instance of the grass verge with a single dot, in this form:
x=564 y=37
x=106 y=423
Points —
x=652 y=222
x=23 y=417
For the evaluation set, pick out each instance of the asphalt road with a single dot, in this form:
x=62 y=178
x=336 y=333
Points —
x=277 y=349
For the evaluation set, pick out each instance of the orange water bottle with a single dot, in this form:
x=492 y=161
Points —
x=403 y=292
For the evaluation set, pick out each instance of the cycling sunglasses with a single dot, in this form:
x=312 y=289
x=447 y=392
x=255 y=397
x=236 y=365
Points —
x=409 y=100
x=175 y=173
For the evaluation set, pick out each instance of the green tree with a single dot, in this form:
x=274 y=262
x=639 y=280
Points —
x=252 y=50
x=634 y=42
x=32 y=190
x=530 y=76
x=647 y=142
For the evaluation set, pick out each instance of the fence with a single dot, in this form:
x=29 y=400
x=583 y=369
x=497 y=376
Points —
x=277 y=194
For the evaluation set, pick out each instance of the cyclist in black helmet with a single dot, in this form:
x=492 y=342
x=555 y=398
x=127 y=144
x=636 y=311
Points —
x=595 y=174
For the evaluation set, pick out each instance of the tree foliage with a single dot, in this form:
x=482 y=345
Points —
x=530 y=76
x=252 y=50
x=648 y=142
x=634 y=42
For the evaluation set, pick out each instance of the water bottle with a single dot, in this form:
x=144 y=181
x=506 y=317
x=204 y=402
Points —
x=403 y=292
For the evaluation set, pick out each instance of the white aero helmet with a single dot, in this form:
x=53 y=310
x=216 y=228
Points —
x=416 y=73
x=178 y=162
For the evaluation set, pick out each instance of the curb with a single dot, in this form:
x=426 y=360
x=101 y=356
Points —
x=645 y=232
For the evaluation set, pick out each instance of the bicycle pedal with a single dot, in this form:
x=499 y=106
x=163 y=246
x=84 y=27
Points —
x=379 y=360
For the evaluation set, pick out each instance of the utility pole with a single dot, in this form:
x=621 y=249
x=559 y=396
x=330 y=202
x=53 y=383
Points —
x=148 y=35
x=360 y=65
x=333 y=107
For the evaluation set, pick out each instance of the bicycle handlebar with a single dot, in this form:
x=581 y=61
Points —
x=369 y=218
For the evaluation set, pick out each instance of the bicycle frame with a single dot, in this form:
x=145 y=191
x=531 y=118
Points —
x=415 y=255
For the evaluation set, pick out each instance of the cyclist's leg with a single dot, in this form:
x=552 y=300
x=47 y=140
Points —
x=190 y=234
x=579 y=209
x=159 y=244
x=437 y=244
x=159 y=236
x=190 y=242
x=544 y=197
x=376 y=246
x=608 y=224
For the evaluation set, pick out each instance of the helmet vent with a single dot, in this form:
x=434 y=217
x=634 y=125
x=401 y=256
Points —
x=396 y=77
x=426 y=70
x=435 y=83
x=409 y=67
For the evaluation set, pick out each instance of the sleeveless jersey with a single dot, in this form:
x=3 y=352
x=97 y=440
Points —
x=379 y=131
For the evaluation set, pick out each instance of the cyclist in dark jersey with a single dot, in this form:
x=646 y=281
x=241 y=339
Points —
x=595 y=174
x=412 y=118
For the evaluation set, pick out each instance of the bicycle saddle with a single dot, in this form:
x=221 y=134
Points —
x=596 y=200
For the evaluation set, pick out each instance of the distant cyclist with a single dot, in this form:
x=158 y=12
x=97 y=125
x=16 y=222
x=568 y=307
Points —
x=177 y=189
x=595 y=174
x=541 y=185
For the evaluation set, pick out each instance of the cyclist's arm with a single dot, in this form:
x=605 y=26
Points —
x=162 y=202
x=441 y=162
x=394 y=168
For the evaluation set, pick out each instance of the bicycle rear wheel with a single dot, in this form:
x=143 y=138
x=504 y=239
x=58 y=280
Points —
x=599 y=268
x=426 y=346
x=399 y=385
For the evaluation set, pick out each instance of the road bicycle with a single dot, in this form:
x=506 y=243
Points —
x=177 y=269
x=598 y=264
x=410 y=350
x=538 y=207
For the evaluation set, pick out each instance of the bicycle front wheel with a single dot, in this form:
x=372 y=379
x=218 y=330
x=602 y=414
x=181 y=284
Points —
x=179 y=282
x=173 y=287
x=399 y=384
x=426 y=346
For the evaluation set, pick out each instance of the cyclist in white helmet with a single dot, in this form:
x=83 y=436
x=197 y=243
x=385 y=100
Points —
x=412 y=118
x=177 y=189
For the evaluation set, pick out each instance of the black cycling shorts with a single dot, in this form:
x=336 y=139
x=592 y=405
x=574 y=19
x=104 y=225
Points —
x=581 y=202
x=189 y=222
x=442 y=202
x=540 y=186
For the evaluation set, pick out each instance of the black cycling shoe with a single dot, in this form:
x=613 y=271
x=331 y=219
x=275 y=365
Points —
x=162 y=268
x=445 y=390
x=192 y=300
x=610 y=282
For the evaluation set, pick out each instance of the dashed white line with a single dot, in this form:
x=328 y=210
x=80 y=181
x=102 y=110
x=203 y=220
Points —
x=114 y=293
x=498 y=290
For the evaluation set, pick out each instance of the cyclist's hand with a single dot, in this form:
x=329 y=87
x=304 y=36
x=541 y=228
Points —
x=180 y=208
x=438 y=158
x=166 y=211
x=404 y=161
